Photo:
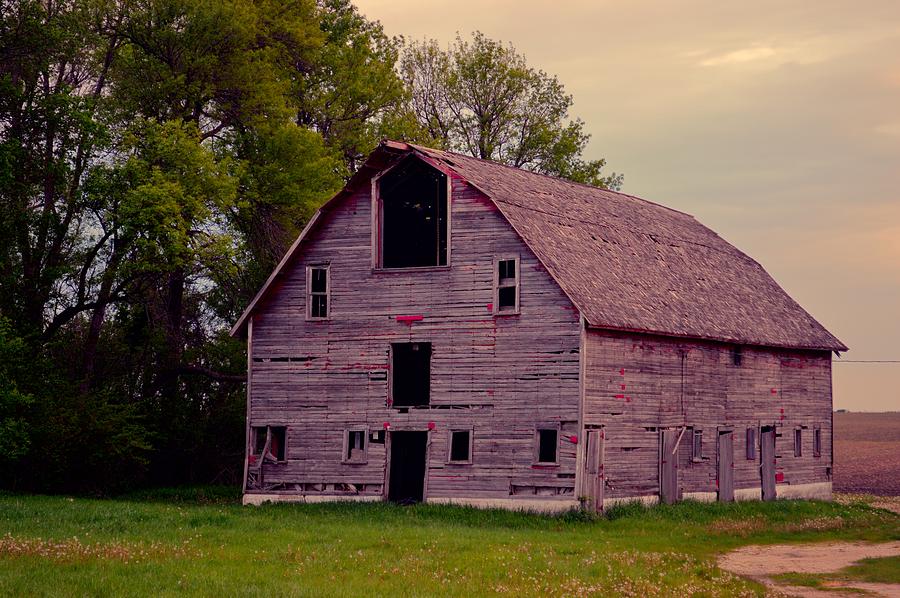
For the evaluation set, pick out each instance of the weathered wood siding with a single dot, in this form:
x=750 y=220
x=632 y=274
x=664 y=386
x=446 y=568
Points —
x=636 y=384
x=499 y=375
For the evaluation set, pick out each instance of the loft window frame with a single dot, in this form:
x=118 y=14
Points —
x=498 y=285
x=450 y=433
x=310 y=294
x=345 y=445
x=537 y=445
x=377 y=222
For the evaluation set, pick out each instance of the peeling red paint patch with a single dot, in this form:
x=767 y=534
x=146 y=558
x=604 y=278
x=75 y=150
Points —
x=410 y=319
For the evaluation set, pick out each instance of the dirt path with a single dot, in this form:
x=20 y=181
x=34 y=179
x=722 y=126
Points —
x=761 y=562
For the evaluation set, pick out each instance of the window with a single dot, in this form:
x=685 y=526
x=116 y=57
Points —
x=460 y=446
x=547 y=445
x=355 y=446
x=817 y=442
x=275 y=436
x=751 y=444
x=737 y=355
x=798 y=442
x=506 y=286
x=412 y=230
x=410 y=374
x=318 y=286
x=697 y=445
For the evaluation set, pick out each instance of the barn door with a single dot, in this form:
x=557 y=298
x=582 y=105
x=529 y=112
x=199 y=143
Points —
x=668 y=466
x=594 y=480
x=767 y=461
x=725 y=479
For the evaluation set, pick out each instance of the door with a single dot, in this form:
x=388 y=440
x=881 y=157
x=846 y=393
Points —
x=725 y=479
x=594 y=479
x=668 y=466
x=407 y=458
x=767 y=462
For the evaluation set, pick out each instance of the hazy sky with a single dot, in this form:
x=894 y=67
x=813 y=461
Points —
x=777 y=124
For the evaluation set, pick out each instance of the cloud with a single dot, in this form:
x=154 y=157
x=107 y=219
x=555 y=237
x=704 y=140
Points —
x=753 y=54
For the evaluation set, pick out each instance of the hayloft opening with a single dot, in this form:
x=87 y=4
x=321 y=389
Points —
x=410 y=374
x=413 y=220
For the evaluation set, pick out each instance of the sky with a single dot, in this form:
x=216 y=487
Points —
x=776 y=124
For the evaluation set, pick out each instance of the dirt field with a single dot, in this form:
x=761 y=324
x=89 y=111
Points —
x=867 y=453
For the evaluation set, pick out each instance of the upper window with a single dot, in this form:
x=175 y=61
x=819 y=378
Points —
x=506 y=285
x=410 y=374
x=412 y=216
x=318 y=295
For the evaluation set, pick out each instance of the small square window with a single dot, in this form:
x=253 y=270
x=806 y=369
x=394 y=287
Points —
x=275 y=436
x=547 y=445
x=506 y=286
x=751 y=444
x=355 y=446
x=460 y=446
x=817 y=442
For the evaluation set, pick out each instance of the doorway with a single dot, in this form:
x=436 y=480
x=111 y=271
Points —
x=767 y=461
x=726 y=466
x=406 y=473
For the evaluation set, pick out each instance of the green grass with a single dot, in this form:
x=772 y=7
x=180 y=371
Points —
x=201 y=542
x=875 y=570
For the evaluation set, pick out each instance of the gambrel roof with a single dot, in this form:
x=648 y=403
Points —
x=625 y=263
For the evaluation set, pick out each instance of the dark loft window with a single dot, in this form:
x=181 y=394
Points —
x=548 y=441
x=751 y=444
x=798 y=442
x=412 y=199
x=355 y=451
x=737 y=355
x=273 y=435
x=410 y=374
x=817 y=442
x=318 y=295
x=460 y=446
x=507 y=286
x=697 y=445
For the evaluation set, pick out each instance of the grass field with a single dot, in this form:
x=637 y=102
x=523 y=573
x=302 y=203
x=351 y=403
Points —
x=867 y=453
x=204 y=543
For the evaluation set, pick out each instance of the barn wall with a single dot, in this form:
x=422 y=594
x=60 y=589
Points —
x=499 y=375
x=636 y=384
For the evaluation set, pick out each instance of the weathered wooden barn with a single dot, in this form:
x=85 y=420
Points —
x=448 y=329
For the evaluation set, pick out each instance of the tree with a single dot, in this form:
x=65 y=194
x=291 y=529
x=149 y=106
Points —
x=481 y=98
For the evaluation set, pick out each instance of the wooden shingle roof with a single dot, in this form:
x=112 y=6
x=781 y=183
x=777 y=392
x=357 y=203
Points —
x=626 y=263
x=630 y=264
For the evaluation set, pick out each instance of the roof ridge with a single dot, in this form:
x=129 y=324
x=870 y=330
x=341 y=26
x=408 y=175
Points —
x=552 y=177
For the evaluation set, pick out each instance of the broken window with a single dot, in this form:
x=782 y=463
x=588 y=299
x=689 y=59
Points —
x=737 y=355
x=413 y=216
x=697 y=445
x=817 y=442
x=547 y=445
x=506 y=285
x=798 y=442
x=751 y=444
x=460 y=446
x=355 y=446
x=274 y=437
x=410 y=374
x=318 y=292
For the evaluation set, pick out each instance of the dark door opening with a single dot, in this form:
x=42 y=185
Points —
x=725 y=476
x=767 y=461
x=406 y=484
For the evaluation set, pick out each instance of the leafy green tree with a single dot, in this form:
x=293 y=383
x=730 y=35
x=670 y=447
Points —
x=481 y=98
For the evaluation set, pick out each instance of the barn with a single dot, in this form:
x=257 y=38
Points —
x=452 y=330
